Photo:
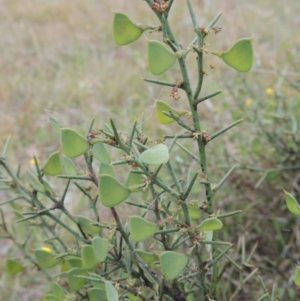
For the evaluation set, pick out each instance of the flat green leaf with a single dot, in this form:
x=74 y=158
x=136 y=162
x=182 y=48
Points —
x=194 y=210
x=69 y=166
x=239 y=56
x=96 y=294
x=47 y=187
x=160 y=58
x=54 y=123
x=210 y=224
x=141 y=229
x=111 y=191
x=75 y=282
x=88 y=257
x=58 y=291
x=172 y=264
x=72 y=143
x=125 y=31
x=208 y=237
x=156 y=155
x=34 y=182
x=46 y=259
x=148 y=257
x=87 y=226
x=111 y=292
x=292 y=203
x=133 y=179
x=73 y=262
x=161 y=107
x=13 y=267
x=101 y=247
x=51 y=298
x=100 y=153
x=297 y=276
x=106 y=169
x=53 y=166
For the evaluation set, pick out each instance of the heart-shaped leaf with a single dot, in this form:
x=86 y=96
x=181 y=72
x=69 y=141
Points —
x=54 y=123
x=297 y=276
x=111 y=292
x=292 y=203
x=88 y=257
x=53 y=166
x=101 y=247
x=125 y=31
x=13 y=267
x=100 y=153
x=161 y=107
x=96 y=294
x=72 y=143
x=156 y=155
x=34 y=182
x=160 y=58
x=141 y=229
x=46 y=259
x=106 y=169
x=111 y=191
x=172 y=264
x=69 y=166
x=51 y=298
x=87 y=225
x=210 y=224
x=148 y=257
x=75 y=282
x=239 y=56
x=73 y=262
x=58 y=291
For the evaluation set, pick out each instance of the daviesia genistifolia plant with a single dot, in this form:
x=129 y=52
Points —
x=167 y=248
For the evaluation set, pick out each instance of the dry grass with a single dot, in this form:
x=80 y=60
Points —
x=59 y=56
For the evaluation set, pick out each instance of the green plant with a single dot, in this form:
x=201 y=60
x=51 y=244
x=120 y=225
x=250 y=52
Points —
x=168 y=249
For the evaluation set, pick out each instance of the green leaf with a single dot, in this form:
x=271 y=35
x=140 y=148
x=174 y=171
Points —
x=69 y=166
x=88 y=257
x=156 y=155
x=101 y=247
x=133 y=179
x=111 y=191
x=125 y=31
x=96 y=294
x=160 y=58
x=292 y=203
x=58 y=291
x=172 y=264
x=46 y=259
x=239 y=56
x=208 y=237
x=148 y=257
x=34 y=182
x=75 y=282
x=194 y=210
x=210 y=224
x=111 y=292
x=13 y=267
x=87 y=226
x=51 y=298
x=106 y=169
x=54 y=123
x=161 y=107
x=72 y=143
x=141 y=229
x=53 y=166
x=73 y=262
x=297 y=276
x=100 y=153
